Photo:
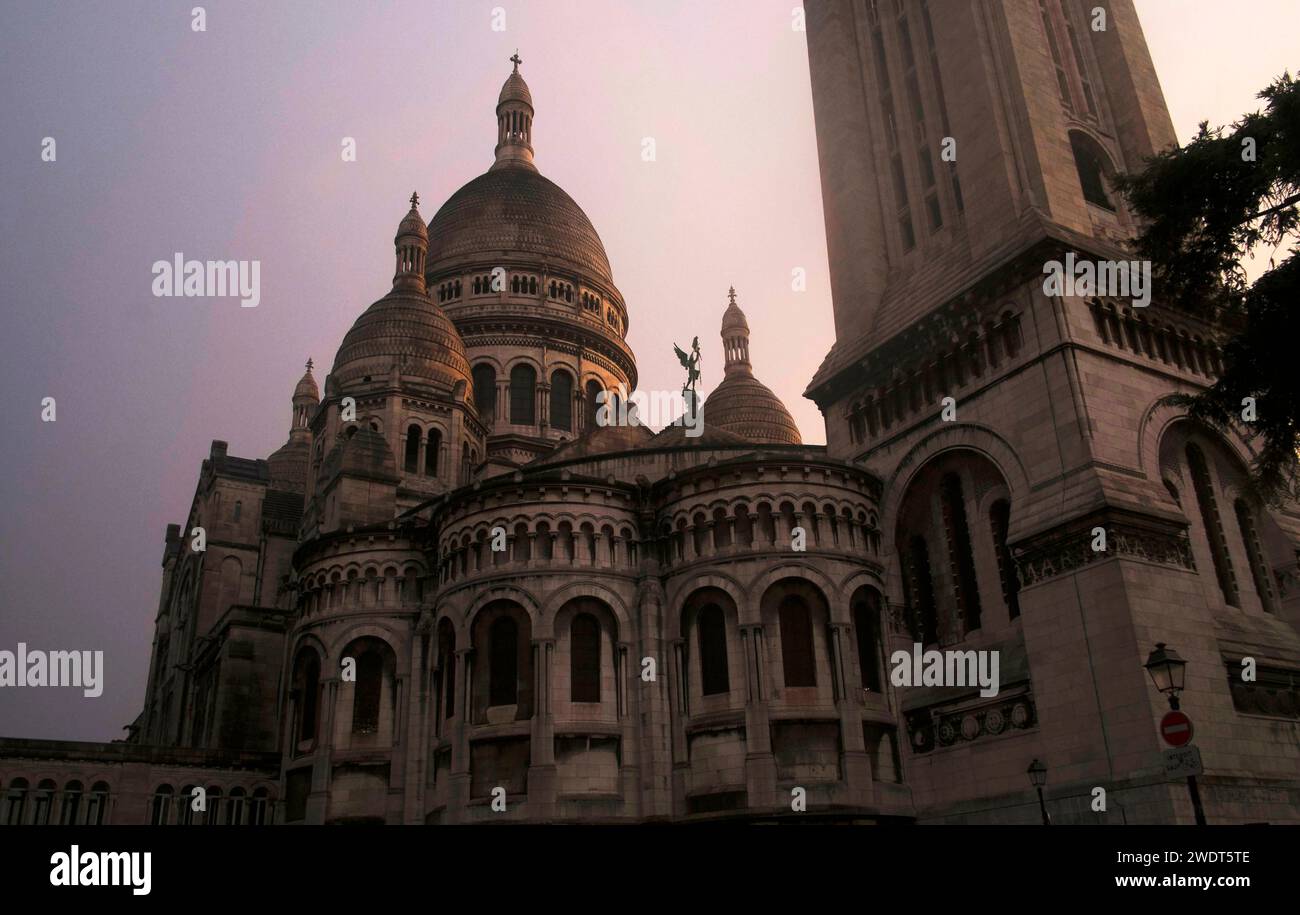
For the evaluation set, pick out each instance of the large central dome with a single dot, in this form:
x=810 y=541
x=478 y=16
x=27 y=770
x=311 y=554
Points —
x=513 y=211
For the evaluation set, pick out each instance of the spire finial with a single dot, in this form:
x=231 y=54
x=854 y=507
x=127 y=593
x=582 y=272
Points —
x=309 y=363
x=415 y=200
x=731 y=294
x=515 y=58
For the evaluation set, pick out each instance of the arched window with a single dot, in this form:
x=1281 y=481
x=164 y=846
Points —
x=714 y=675
x=431 y=449
x=413 y=436
x=1213 y=524
x=307 y=688
x=797 y=658
x=584 y=659
x=367 y=690
x=16 y=802
x=999 y=524
x=447 y=668
x=97 y=804
x=160 y=814
x=562 y=401
x=593 y=402
x=1255 y=554
x=960 y=558
x=239 y=510
x=866 y=628
x=485 y=390
x=71 y=804
x=1088 y=161
x=523 y=399
x=918 y=586
x=503 y=662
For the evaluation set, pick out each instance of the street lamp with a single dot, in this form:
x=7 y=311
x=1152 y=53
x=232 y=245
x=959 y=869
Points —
x=1168 y=672
x=1038 y=778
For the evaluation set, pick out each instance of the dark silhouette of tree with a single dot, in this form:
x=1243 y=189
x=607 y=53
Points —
x=1206 y=205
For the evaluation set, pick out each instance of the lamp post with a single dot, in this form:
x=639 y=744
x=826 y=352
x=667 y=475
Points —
x=1168 y=672
x=1038 y=778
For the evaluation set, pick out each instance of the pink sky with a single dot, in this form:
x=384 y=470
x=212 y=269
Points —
x=225 y=144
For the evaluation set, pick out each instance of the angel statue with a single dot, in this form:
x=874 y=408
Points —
x=692 y=365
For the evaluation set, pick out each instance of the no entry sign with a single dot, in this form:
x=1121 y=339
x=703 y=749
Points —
x=1176 y=729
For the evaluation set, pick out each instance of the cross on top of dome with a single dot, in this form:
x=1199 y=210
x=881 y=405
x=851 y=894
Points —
x=415 y=200
x=516 y=59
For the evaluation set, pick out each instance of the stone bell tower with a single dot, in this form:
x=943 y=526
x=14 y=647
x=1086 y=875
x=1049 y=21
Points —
x=964 y=148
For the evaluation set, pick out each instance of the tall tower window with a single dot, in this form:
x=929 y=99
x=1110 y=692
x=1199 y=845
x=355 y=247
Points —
x=411 y=464
x=797 y=658
x=1255 y=554
x=584 y=659
x=1088 y=161
x=960 y=559
x=307 y=686
x=447 y=668
x=366 y=693
x=918 y=583
x=1213 y=524
x=902 y=209
x=523 y=405
x=485 y=391
x=1062 y=83
x=562 y=401
x=999 y=523
x=431 y=448
x=503 y=662
x=866 y=627
x=712 y=627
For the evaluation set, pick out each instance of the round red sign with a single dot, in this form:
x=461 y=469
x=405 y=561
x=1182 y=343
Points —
x=1176 y=729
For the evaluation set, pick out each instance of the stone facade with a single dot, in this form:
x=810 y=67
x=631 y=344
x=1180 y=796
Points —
x=458 y=595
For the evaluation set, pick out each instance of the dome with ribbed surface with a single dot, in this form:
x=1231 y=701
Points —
x=514 y=211
x=515 y=90
x=745 y=406
x=405 y=328
x=307 y=387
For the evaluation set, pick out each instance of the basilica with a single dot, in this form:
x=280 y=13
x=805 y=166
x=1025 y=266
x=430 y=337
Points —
x=457 y=594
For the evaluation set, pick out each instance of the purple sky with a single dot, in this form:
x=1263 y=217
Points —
x=225 y=144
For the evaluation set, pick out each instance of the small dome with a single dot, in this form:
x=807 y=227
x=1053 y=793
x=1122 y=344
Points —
x=409 y=329
x=515 y=211
x=413 y=223
x=733 y=319
x=288 y=465
x=307 y=386
x=515 y=90
x=745 y=406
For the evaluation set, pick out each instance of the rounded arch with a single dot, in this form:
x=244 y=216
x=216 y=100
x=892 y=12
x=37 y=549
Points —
x=391 y=637
x=500 y=593
x=1163 y=413
x=708 y=578
x=709 y=623
x=796 y=612
x=546 y=625
x=1094 y=167
x=955 y=436
x=796 y=569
